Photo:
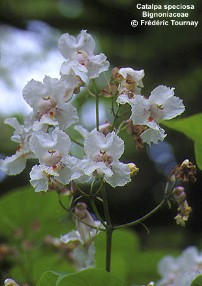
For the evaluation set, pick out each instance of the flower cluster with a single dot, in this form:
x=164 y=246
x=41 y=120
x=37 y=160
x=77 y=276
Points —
x=180 y=271
x=183 y=173
x=147 y=112
x=44 y=134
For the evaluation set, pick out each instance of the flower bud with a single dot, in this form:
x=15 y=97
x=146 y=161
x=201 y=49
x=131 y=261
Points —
x=149 y=284
x=179 y=195
x=185 y=172
x=105 y=128
x=133 y=169
x=184 y=211
x=115 y=73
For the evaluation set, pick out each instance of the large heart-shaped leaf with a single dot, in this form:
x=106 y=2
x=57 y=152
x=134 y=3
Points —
x=192 y=128
x=89 y=277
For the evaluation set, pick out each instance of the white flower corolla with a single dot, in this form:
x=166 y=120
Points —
x=52 y=150
x=87 y=227
x=161 y=105
x=130 y=84
x=49 y=101
x=181 y=270
x=102 y=158
x=153 y=135
x=81 y=49
x=74 y=73
x=83 y=238
x=16 y=163
x=82 y=254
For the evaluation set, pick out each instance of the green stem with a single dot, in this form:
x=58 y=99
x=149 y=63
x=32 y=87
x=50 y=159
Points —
x=93 y=205
x=76 y=217
x=140 y=220
x=109 y=231
x=120 y=128
x=97 y=111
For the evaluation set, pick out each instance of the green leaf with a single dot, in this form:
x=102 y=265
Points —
x=48 y=278
x=26 y=218
x=90 y=277
x=197 y=281
x=35 y=214
x=191 y=127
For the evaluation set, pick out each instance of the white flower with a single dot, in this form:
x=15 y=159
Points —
x=102 y=158
x=84 y=236
x=153 y=135
x=52 y=150
x=10 y=282
x=74 y=73
x=83 y=255
x=87 y=228
x=49 y=101
x=130 y=84
x=81 y=49
x=161 y=105
x=16 y=163
x=180 y=271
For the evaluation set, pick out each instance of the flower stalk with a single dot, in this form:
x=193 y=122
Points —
x=109 y=231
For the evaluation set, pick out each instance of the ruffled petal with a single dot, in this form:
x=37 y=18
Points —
x=39 y=179
x=42 y=144
x=140 y=110
x=69 y=45
x=71 y=70
x=71 y=236
x=33 y=92
x=14 y=164
x=173 y=107
x=153 y=136
x=161 y=94
x=114 y=145
x=137 y=76
x=99 y=167
x=121 y=175
x=97 y=65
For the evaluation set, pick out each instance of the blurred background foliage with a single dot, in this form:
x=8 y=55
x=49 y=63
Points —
x=169 y=55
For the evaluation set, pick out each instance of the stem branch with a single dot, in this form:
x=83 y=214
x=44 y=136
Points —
x=140 y=220
x=97 y=111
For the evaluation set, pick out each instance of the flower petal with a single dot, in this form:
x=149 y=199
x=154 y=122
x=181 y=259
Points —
x=39 y=179
x=140 y=110
x=172 y=107
x=160 y=94
x=97 y=65
x=69 y=45
x=71 y=236
x=14 y=164
x=121 y=175
x=153 y=136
